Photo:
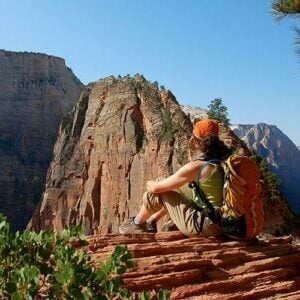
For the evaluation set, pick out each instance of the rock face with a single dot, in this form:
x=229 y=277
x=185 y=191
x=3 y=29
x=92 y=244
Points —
x=202 y=268
x=194 y=113
x=122 y=133
x=281 y=153
x=35 y=91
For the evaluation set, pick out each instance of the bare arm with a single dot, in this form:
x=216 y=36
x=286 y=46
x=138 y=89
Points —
x=184 y=175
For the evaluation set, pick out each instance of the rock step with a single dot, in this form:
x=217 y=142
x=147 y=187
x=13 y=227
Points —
x=238 y=287
x=112 y=239
x=199 y=247
x=207 y=268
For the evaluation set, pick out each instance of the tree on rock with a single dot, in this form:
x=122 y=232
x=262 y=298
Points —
x=218 y=111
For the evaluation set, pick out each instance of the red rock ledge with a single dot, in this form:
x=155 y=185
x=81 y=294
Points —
x=208 y=268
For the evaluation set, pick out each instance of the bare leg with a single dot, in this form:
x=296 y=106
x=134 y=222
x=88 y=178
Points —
x=145 y=215
x=142 y=216
x=158 y=215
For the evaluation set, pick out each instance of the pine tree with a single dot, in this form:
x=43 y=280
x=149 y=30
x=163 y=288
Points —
x=286 y=8
x=283 y=8
x=218 y=111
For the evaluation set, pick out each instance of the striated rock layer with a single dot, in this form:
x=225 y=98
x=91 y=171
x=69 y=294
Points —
x=122 y=133
x=35 y=91
x=202 y=268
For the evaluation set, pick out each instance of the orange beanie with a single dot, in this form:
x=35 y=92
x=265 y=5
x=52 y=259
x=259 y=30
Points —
x=206 y=127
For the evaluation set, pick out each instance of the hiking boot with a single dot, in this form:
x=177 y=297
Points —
x=131 y=227
x=151 y=227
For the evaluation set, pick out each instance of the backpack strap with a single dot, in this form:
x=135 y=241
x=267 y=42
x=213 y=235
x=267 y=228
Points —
x=230 y=169
x=211 y=161
x=210 y=211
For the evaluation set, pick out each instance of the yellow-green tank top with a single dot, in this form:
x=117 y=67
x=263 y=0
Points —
x=212 y=187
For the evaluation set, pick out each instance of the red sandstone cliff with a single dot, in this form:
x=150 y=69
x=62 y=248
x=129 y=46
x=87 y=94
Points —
x=122 y=133
x=35 y=91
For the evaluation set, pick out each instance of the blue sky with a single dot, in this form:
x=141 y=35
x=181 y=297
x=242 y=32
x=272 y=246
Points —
x=199 y=49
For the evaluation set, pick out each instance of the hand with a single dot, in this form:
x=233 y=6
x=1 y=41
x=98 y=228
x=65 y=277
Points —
x=150 y=185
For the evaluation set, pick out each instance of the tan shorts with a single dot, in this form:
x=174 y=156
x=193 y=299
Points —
x=182 y=211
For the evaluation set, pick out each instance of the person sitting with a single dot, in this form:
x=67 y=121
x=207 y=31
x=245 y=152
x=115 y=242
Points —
x=172 y=195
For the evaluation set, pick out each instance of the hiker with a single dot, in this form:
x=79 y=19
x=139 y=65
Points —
x=172 y=195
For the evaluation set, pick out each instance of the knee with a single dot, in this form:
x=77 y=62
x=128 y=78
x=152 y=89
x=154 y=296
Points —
x=152 y=202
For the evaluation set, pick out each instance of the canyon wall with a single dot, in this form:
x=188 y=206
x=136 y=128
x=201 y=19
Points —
x=36 y=90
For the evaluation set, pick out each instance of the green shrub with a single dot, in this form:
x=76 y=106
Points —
x=46 y=265
x=168 y=128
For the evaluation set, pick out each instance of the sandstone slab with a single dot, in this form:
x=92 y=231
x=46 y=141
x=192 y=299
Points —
x=207 y=268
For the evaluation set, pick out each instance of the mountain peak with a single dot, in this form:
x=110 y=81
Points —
x=280 y=152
